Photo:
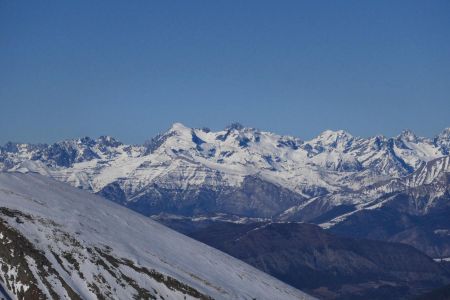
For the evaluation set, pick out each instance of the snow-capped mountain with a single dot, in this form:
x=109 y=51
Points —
x=443 y=141
x=412 y=209
x=237 y=171
x=59 y=242
x=416 y=213
x=431 y=178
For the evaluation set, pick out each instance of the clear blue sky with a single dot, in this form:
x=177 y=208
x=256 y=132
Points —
x=131 y=68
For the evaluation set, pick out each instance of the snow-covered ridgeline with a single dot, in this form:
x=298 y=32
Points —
x=184 y=157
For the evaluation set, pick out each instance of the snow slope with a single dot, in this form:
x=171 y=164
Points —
x=65 y=242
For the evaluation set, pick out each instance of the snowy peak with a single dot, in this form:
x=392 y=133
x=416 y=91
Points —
x=443 y=141
x=335 y=135
x=179 y=128
x=339 y=139
x=445 y=134
x=235 y=126
x=61 y=154
x=408 y=136
x=108 y=141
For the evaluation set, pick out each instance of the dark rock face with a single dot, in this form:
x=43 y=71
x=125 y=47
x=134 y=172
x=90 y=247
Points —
x=114 y=193
x=325 y=265
x=156 y=142
x=258 y=198
x=255 y=198
x=429 y=233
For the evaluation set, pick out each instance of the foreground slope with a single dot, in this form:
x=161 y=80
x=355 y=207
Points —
x=62 y=242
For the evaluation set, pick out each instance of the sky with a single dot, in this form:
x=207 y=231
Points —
x=132 y=68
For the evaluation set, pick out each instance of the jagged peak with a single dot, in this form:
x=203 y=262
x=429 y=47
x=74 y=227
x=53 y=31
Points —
x=74 y=142
x=445 y=134
x=108 y=141
x=85 y=140
x=408 y=135
x=106 y=138
x=442 y=140
x=378 y=141
x=379 y=137
x=235 y=126
x=10 y=147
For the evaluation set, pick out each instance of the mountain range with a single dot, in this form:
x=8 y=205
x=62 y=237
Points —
x=394 y=189
x=243 y=191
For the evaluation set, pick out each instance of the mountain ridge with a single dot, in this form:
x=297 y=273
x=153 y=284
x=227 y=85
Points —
x=245 y=172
